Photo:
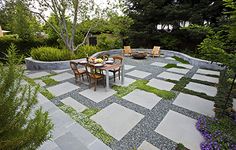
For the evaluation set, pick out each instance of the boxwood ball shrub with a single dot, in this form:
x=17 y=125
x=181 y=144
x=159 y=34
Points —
x=51 y=54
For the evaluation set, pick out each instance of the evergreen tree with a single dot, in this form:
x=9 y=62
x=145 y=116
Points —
x=147 y=14
x=22 y=124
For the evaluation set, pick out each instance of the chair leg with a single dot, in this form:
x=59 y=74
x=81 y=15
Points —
x=119 y=74
x=104 y=82
x=95 y=85
x=83 y=77
x=114 y=75
x=89 y=83
x=76 y=79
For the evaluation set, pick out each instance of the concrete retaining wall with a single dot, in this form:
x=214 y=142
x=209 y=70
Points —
x=32 y=64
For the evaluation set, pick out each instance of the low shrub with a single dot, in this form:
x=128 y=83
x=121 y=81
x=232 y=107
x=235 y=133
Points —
x=55 y=54
x=51 y=54
x=86 y=50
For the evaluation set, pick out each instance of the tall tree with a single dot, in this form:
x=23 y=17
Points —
x=147 y=14
x=22 y=125
x=76 y=10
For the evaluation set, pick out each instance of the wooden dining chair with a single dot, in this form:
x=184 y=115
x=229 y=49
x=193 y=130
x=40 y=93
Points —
x=117 y=60
x=92 y=74
x=77 y=72
x=156 y=52
x=127 y=51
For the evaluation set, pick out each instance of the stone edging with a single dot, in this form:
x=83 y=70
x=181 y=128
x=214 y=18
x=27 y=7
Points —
x=32 y=64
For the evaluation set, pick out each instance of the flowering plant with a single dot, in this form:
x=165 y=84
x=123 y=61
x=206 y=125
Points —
x=218 y=134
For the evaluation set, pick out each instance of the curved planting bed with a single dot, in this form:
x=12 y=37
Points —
x=32 y=64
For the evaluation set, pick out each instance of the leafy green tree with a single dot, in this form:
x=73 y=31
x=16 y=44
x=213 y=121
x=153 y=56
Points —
x=77 y=10
x=147 y=14
x=22 y=125
x=19 y=20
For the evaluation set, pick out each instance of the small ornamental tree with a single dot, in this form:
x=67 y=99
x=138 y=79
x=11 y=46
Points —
x=22 y=125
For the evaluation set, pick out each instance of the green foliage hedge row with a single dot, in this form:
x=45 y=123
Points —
x=55 y=54
x=23 y=46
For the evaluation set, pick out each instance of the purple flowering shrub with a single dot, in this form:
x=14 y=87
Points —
x=219 y=134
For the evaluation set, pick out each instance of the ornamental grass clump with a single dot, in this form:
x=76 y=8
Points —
x=51 y=54
x=55 y=54
x=219 y=134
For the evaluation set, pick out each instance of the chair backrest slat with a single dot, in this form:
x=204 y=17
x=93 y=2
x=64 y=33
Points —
x=118 y=59
x=74 y=68
x=156 y=50
x=127 y=50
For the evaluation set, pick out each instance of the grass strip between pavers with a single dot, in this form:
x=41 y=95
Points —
x=90 y=111
x=87 y=123
x=180 y=60
x=42 y=90
x=180 y=86
x=168 y=66
x=49 y=81
x=141 y=84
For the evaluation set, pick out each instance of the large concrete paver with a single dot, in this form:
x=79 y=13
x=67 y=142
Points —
x=37 y=74
x=142 y=98
x=195 y=103
x=128 y=67
x=60 y=71
x=62 y=76
x=98 y=95
x=168 y=75
x=160 y=84
x=178 y=70
x=147 y=146
x=205 y=78
x=180 y=129
x=62 y=88
x=210 y=72
x=127 y=81
x=188 y=66
x=40 y=82
x=159 y=64
x=138 y=74
x=117 y=120
x=69 y=142
x=201 y=88
x=74 y=104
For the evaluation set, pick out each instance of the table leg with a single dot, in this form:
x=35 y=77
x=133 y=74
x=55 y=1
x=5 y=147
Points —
x=107 y=80
x=122 y=74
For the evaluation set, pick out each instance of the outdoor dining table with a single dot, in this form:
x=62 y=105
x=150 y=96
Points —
x=106 y=68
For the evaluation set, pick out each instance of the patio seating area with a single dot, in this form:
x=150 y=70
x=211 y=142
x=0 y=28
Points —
x=139 y=120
